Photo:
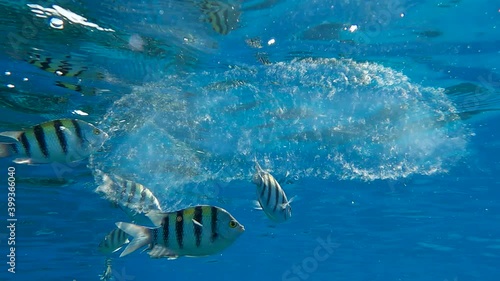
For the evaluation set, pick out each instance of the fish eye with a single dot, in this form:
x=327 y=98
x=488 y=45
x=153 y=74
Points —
x=232 y=224
x=96 y=131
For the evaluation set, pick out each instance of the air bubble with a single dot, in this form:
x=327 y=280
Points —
x=56 y=23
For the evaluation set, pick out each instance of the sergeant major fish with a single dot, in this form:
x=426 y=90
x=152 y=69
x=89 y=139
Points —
x=67 y=66
x=195 y=231
x=113 y=241
x=271 y=197
x=133 y=198
x=63 y=140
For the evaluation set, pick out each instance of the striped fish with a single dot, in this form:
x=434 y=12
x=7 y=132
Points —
x=107 y=274
x=226 y=85
x=222 y=16
x=254 y=42
x=263 y=58
x=86 y=91
x=195 y=231
x=66 y=66
x=63 y=140
x=132 y=197
x=113 y=241
x=271 y=197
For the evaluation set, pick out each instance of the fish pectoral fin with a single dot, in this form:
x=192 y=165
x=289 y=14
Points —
x=117 y=249
x=256 y=205
x=124 y=243
x=284 y=205
x=197 y=223
x=162 y=252
x=11 y=134
x=23 y=161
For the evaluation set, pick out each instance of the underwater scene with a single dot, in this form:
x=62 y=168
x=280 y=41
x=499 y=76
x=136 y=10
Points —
x=250 y=140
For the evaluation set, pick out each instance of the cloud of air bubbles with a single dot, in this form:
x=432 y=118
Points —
x=322 y=118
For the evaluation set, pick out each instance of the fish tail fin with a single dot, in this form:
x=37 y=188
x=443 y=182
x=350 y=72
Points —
x=6 y=150
x=141 y=236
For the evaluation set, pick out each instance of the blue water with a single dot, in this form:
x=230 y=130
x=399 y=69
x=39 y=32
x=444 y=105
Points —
x=379 y=117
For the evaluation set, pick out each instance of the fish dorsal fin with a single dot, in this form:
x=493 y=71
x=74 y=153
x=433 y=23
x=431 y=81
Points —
x=257 y=166
x=11 y=134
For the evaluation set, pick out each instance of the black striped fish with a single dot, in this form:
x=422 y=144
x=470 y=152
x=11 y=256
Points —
x=222 y=16
x=133 y=198
x=66 y=66
x=63 y=140
x=263 y=58
x=86 y=91
x=254 y=42
x=271 y=197
x=113 y=241
x=226 y=85
x=195 y=231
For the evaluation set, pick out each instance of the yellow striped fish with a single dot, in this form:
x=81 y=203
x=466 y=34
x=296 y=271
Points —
x=86 y=91
x=113 y=241
x=195 y=231
x=63 y=140
x=60 y=67
x=271 y=197
x=222 y=16
x=133 y=198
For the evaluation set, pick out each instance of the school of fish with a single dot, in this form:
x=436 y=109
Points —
x=194 y=231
